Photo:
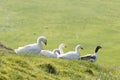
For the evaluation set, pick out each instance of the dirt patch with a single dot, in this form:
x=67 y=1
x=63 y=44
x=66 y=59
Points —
x=89 y=71
x=49 y=68
x=5 y=49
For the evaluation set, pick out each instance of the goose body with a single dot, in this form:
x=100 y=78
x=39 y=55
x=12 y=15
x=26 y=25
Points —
x=52 y=54
x=91 y=57
x=32 y=48
x=72 y=54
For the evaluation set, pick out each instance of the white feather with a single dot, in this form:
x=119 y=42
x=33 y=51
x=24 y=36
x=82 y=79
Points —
x=32 y=48
x=61 y=46
x=72 y=54
x=52 y=54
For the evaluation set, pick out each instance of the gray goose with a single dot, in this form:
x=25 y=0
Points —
x=91 y=57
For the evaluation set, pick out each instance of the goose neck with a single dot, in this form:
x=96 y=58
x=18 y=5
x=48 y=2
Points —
x=96 y=55
x=56 y=52
x=96 y=50
x=77 y=50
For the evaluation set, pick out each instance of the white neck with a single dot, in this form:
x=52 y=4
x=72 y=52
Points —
x=39 y=40
x=96 y=55
x=55 y=52
x=61 y=50
x=77 y=49
x=39 y=43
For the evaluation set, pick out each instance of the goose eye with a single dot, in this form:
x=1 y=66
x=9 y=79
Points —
x=45 y=43
x=82 y=48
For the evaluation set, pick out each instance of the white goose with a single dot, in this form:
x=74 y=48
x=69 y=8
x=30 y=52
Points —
x=61 y=46
x=72 y=54
x=52 y=54
x=91 y=57
x=33 y=48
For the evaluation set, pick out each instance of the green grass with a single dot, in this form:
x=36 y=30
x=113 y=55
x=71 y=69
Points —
x=86 y=22
x=34 y=67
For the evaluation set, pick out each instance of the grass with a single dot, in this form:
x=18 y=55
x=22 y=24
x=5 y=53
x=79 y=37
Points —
x=89 y=23
x=36 y=67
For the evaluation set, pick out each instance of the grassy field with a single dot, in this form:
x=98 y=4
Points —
x=86 y=22
x=34 y=67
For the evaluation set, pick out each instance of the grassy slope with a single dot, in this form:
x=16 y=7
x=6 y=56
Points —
x=35 y=67
x=89 y=23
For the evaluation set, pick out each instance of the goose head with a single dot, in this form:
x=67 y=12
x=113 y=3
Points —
x=97 y=48
x=78 y=47
x=62 y=45
x=42 y=39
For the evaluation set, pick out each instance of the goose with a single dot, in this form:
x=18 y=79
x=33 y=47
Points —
x=32 y=48
x=91 y=57
x=61 y=46
x=52 y=54
x=71 y=54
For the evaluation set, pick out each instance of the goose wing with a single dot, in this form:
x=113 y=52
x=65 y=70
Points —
x=32 y=48
x=87 y=57
x=69 y=55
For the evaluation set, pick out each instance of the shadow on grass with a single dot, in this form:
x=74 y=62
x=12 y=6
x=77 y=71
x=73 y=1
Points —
x=48 y=68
